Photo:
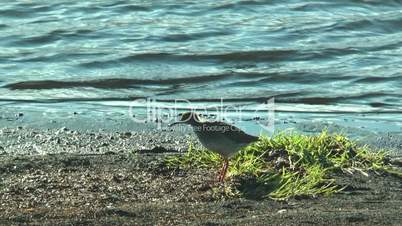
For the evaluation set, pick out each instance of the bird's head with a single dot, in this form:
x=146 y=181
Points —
x=190 y=118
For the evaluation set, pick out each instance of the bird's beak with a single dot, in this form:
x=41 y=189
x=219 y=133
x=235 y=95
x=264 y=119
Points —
x=175 y=123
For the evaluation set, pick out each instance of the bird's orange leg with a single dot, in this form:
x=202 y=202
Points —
x=219 y=178
x=223 y=171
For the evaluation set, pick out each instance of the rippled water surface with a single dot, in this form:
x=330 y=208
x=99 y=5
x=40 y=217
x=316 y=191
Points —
x=342 y=57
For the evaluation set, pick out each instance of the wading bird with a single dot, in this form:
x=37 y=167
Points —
x=219 y=137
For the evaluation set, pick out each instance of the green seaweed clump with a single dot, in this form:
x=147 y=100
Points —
x=290 y=165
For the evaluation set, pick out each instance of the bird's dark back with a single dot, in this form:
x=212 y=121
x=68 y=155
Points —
x=230 y=131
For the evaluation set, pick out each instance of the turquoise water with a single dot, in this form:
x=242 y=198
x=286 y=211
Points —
x=321 y=60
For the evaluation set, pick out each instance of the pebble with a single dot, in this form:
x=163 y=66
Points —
x=282 y=211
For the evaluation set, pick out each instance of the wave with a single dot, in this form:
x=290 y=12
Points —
x=25 y=10
x=249 y=56
x=37 y=40
x=243 y=56
x=319 y=100
x=283 y=100
x=16 y=13
x=374 y=79
x=192 y=36
x=127 y=8
x=374 y=100
x=377 y=24
x=244 y=3
x=256 y=56
x=255 y=78
x=57 y=57
x=78 y=99
x=260 y=99
x=53 y=36
x=113 y=83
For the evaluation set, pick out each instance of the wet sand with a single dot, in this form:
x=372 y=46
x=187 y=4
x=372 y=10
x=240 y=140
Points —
x=65 y=177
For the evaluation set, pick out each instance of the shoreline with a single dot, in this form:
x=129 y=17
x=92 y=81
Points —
x=32 y=141
x=25 y=128
x=59 y=176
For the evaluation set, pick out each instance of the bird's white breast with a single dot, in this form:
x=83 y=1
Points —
x=220 y=144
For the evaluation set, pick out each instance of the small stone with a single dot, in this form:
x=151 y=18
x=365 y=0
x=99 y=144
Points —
x=280 y=162
x=62 y=129
x=20 y=114
x=125 y=135
x=281 y=211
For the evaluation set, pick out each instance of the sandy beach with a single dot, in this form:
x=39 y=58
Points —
x=65 y=177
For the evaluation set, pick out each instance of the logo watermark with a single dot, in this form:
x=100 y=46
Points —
x=163 y=113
